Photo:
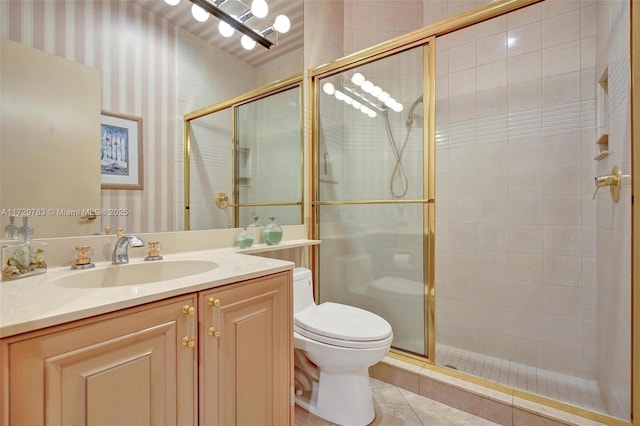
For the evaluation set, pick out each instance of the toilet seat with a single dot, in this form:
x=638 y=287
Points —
x=343 y=325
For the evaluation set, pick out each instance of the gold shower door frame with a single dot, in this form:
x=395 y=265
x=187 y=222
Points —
x=428 y=184
x=425 y=37
x=233 y=104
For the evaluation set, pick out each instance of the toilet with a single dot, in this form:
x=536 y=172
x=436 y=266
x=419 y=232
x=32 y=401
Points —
x=335 y=345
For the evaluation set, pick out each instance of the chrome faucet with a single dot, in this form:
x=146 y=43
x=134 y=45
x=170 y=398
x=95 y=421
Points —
x=120 y=251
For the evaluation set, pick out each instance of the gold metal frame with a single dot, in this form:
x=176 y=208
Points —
x=426 y=35
x=635 y=209
x=291 y=82
x=428 y=200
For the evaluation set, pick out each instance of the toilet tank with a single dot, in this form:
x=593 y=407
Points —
x=302 y=289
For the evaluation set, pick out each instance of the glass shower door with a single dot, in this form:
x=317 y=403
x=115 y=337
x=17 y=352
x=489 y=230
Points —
x=371 y=205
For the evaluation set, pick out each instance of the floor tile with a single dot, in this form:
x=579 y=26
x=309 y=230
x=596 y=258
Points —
x=398 y=407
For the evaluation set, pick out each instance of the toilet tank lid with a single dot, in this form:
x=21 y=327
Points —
x=301 y=273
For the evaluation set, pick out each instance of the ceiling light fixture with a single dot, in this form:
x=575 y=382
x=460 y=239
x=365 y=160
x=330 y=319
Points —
x=234 y=15
x=199 y=14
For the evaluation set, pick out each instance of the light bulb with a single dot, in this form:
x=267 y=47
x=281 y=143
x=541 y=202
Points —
x=367 y=86
x=357 y=79
x=281 y=24
x=356 y=104
x=390 y=102
x=398 y=107
x=172 y=2
x=225 y=29
x=371 y=113
x=247 y=42
x=339 y=95
x=376 y=91
x=329 y=88
x=348 y=100
x=383 y=96
x=364 y=108
x=199 y=14
x=259 y=8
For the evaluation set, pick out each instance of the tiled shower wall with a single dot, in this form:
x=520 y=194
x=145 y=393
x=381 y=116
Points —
x=613 y=221
x=515 y=137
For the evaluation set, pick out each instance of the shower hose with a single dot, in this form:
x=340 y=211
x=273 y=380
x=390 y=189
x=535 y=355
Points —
x=399 y=172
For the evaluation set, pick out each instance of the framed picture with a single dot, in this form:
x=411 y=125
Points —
x=121 y=165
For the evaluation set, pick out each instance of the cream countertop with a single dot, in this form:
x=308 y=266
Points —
x=36 y=302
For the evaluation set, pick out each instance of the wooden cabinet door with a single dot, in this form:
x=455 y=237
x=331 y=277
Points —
x=247 y=353
x=127 y=368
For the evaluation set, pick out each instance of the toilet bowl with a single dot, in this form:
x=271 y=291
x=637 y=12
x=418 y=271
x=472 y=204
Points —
x=335 y=345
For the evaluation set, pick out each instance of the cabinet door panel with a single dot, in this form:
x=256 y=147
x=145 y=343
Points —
x=125 y=370
x=251 y=357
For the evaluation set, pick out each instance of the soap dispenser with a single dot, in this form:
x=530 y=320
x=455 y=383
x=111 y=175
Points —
x=11 y=230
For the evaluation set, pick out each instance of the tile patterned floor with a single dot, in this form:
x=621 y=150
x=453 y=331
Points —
x=572 y=390
x=398 y=407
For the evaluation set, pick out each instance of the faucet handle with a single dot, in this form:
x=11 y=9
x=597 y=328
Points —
x=120 y=232
x=613 y=181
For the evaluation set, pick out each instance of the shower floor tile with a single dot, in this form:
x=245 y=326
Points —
x=562 y=387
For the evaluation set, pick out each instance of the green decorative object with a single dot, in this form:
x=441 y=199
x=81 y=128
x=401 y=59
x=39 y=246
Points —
x=244 y=239
x=272 y=233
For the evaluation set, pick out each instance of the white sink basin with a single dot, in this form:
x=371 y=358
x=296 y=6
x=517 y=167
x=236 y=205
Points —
x=135 y=274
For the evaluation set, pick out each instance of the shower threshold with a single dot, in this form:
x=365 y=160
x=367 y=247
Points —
x=562 y=387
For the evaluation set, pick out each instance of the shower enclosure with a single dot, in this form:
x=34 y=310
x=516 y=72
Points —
x=511 y=268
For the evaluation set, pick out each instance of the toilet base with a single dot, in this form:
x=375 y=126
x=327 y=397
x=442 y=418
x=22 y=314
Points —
x=344 y=398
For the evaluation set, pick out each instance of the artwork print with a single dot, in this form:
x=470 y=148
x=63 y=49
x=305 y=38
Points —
x=114 y=150
x=121 y=165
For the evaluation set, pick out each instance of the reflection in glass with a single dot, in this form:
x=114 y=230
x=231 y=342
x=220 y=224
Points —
x=245 y=159
x=210 y=169
x=371 y=163
x=375 y=263
x=268 y=158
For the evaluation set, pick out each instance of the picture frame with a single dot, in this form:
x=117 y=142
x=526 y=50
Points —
x=121 y=159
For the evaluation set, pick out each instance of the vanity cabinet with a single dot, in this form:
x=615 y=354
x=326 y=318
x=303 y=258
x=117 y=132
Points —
x=227 y=352
x=128 y=367
x=247 y=353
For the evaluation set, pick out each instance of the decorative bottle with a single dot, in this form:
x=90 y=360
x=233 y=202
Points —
x=244 y=239
x=256 y=222
x=272 y=233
